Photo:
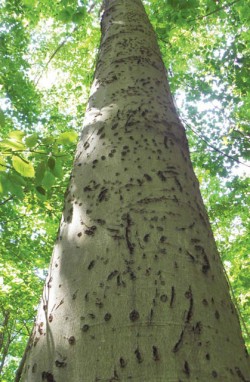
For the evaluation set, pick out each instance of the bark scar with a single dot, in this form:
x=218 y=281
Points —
x=127 y=234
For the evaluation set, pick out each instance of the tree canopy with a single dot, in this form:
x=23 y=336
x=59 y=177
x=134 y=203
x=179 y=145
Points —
x=48 y=55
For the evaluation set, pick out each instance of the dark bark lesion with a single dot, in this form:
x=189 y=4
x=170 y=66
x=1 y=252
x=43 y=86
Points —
x=189 y=295
x=130 y=245
x=240 y=375
x=172 y=296
x=138 y=356
x=47 y=376
x=178 y=344
x=103 y=195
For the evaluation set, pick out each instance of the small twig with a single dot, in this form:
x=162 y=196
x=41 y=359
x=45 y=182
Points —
x=53 y=55
x=205 y=139
x=6 y=200
x=215 y=11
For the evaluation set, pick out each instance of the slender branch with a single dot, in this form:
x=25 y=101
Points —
x=53 y=55
x=210 y=13
x=205 y=139
x=215 y=11
x=6 y=200
x=58 y=48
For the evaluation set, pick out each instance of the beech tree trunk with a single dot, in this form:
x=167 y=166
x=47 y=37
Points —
x=136 y=289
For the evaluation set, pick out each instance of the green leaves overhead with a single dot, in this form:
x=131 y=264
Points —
x=70 y=14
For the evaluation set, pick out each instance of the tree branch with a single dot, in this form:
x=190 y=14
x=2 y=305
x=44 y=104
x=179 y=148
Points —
x=205 y=139
x=6 y=200
x=215 y=11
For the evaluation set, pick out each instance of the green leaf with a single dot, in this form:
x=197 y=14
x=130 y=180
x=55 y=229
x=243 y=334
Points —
x=48 y=140
x=16 y=189
x=40 y=170
x=16 y=135
x=3 y=163
x=41 y=190
x=2 y=178
x=79 y=16
x=57 y=170
x=29 y=3
x=32 y=140
x=12 y=144
x=23 y=166
x=65 y=15
x=2 y=118
x=48 y=180
x=17 y=179
x=9 y=186
x=67 y=137
x=51 y=163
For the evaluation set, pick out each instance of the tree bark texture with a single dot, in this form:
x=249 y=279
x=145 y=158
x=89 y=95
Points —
x=136 y=289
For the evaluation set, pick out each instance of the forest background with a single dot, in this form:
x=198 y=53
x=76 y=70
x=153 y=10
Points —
x=48 y=52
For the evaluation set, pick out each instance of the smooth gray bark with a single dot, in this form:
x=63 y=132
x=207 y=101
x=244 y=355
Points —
x=136 y=289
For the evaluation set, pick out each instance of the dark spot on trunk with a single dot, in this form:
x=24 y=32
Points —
x=127 y=234
x=214 y=374
x=156 y=355
x=60 y=363
x=90 y=231
x=163 y=239
x=72 y=340
x=166 y=142
x=197 y=328
x=191 y=256
x=100 y=130
x=101 y=221
x=172 y=297
x=205 y=302
x=164 y=298
x=112 y=274
x=189 y=295
x=107 y=317
x=134 y=315
x=122 y=362
x=46 y=376
x=91 y=265
x=85 y=328
x=138 y=356
x=240 y=375
x=217 y=315
x=148 y=177
x=178 y=184
x=161 y=176
x=103 y=195
x=186 y=368
x=206 y=264
x=178 y=344
x=34 y=368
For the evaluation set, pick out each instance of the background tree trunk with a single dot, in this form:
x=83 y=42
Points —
x=136 y=289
